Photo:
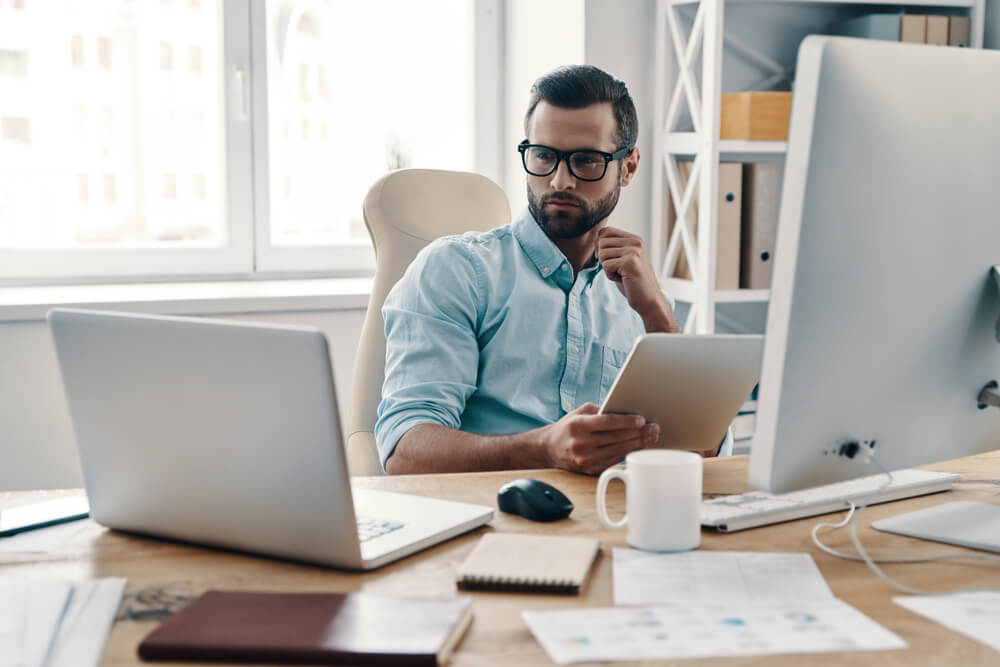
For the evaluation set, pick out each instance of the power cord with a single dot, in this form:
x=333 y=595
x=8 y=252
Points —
x=851 y=520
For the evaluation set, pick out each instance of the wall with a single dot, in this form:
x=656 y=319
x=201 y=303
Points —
x=37 y=449
x=538 y=37
x=618 y=38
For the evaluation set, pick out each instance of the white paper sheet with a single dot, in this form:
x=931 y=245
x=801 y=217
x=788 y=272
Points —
x=86 y=624
x=57 y=623
x=44 y=540
x=975 y=615
x=646 y=578
x=45 y=605
x=12 y=600
x=689 y=630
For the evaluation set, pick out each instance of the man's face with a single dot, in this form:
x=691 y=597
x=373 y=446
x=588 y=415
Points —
x=563 y=205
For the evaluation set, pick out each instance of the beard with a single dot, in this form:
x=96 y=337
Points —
x=564 y=224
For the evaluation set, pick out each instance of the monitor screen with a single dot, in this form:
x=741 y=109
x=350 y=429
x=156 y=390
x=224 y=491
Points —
x=882 y=325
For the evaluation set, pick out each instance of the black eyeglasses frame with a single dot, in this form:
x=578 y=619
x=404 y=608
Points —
x=565 y=155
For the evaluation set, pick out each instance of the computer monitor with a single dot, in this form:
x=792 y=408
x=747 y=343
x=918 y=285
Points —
x=882 y=326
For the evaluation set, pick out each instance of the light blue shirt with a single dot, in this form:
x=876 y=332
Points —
x=490 y=333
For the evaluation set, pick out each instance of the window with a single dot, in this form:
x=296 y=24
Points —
x=16 y=129
x=13 y=64
x=395 y=113
x=166 y=56
x=170 y=186
x=194 y=59
x=76 y=48
x=256 y=160
x=104 y=53
x=109 y=188
x=199 y=187
x=82 y=188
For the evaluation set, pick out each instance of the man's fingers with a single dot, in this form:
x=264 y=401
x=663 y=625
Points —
x=604 y=439
x=587 y=409
x=619 y=242
x=609 y=456
x=614 y=232
x=647 y=435
x=612 y=422
x=606 y=254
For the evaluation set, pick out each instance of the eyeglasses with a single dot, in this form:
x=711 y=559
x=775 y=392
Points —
x=586 y=165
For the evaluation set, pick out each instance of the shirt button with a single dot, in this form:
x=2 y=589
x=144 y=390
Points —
x=567 y=406
x=574 y=348
x=564 y=267
x=546 y=269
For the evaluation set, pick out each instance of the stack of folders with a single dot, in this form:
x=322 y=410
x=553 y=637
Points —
x=747 y=224
x=916 y=28
x=57 y=623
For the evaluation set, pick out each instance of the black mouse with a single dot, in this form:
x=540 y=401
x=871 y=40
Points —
x=534 y=500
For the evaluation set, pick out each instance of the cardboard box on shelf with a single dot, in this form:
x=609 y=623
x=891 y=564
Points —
x=913 y=28
x=756 y=116
x=937 y=30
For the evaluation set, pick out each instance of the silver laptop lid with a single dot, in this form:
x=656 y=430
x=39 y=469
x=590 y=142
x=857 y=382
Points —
x=210 y=431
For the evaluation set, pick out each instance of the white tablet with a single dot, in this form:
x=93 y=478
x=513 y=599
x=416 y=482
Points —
x=692 y=386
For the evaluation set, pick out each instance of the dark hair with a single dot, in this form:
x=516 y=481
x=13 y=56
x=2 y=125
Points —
x=578 y=86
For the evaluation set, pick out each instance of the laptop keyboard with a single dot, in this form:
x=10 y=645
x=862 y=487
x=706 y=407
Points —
x=370 y=527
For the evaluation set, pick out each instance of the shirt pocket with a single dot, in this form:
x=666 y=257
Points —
x=613 y=360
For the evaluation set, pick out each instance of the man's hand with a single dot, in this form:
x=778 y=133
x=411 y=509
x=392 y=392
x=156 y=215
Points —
x=627 y=263
x=584 y=441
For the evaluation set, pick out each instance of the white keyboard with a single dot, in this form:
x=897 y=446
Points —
x=757 y=508
x=369 y=527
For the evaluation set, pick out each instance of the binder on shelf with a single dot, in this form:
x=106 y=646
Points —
x=761 y=190
x=958 y=30
x=913 y=28
x=937 y=30
x=727 y=258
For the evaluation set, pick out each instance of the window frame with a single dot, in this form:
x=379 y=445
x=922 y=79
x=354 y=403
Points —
x=249 y=253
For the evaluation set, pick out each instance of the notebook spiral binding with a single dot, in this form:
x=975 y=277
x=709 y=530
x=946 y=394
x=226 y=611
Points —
x=517 y=585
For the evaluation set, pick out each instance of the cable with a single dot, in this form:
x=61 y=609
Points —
x=851 y=520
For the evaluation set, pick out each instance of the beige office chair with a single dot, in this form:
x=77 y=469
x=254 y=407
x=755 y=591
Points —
x=404 y=211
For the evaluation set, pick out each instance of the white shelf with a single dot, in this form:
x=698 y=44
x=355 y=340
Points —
x=907 y=3
x=734 y=150
x=683 y=290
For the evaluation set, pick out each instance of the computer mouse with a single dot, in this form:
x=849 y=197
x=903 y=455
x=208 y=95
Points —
x=534 y=499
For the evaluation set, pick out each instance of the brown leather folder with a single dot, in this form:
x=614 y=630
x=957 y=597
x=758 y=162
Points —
x=313 y=628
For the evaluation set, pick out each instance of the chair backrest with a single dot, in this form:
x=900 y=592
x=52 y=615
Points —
x=404 y=211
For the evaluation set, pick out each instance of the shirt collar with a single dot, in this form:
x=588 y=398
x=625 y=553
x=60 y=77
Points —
x=539 y=248
x=543 y=253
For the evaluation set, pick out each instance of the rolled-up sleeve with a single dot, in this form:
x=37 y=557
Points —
x=432 y=353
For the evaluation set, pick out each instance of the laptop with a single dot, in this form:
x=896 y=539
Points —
x=227 y=434
x=691 y=385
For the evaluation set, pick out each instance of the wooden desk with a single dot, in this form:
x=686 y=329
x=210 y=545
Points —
x=498 y=635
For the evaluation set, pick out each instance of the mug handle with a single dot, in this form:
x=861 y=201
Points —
x=602 y=491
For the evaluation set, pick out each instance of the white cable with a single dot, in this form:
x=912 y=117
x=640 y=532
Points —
x=851 y=519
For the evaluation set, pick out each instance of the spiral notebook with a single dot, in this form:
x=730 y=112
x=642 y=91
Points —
x=528 y=563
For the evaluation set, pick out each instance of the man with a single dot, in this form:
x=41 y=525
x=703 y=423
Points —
x=500 y=345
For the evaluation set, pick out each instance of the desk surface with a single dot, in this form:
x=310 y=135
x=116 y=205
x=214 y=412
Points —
x=158 y=570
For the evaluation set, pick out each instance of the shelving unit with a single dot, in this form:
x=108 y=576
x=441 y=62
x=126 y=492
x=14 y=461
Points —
x=707 y=38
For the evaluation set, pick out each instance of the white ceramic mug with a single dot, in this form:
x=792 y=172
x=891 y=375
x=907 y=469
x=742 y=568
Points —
x=662 y=499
